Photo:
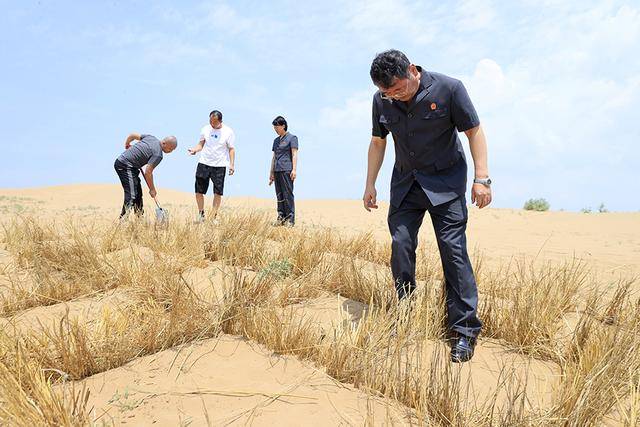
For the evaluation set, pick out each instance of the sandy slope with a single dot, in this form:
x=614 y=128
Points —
x=241 y=382
x=229 y=380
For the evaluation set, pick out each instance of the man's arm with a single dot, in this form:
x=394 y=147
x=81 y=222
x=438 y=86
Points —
x=294 y=163
x=272 y=174
x=148 y=176
x=374 y=162
x=480 y=193
x=232 y=160
x=198 y=147
x=132 y=137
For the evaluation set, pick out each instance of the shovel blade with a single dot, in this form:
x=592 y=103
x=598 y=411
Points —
x=162 y=216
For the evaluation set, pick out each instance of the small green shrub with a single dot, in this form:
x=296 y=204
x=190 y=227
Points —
x=278 y=269
x=539 y=205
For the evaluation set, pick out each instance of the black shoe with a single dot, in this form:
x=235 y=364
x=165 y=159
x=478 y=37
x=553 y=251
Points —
x=462 y=349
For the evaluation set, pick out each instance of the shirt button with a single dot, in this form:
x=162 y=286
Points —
x=412 y=154
x=410 y=115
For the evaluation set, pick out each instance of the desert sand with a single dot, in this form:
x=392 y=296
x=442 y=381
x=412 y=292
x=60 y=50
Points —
x=232 y=380
x=608 y=242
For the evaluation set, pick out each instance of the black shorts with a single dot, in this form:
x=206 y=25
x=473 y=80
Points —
x=215 y=173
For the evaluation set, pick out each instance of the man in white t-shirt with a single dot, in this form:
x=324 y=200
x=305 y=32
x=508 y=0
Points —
x=218 y=153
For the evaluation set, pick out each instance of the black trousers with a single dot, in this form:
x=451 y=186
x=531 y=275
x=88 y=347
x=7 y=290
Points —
x=284 y=196
x=130 y=180
x=449 y=223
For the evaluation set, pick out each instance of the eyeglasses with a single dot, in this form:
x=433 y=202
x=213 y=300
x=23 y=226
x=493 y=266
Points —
x=397 y=93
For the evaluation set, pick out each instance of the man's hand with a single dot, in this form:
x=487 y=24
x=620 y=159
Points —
x=231 y=170
x=369 y=198
x=192 y=151
x=153 y=193
x=480 y=195
x=293 y=175
x=272 y=178
x=132 y=137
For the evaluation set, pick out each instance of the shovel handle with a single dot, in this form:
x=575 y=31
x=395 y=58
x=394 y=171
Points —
x=147 y=182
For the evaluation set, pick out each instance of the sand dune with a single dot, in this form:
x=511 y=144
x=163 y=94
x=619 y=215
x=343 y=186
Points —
x=232 y=380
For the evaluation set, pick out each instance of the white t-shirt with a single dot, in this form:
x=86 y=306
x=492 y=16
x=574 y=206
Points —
x=217 y=143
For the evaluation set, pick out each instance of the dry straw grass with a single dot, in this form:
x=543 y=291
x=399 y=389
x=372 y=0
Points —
x=28 y=398
x=524 y=304
x=396 y=351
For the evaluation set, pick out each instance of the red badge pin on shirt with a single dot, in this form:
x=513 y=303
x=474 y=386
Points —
x=433 y=106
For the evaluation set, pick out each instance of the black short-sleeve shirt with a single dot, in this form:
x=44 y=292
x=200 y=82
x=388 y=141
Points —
x=282 y=150
x=425 y=134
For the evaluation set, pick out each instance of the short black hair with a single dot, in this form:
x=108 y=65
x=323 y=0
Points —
x=280 y=121
x=216 y=113
x=387 y=66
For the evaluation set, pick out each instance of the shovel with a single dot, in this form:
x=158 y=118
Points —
x=162 y=216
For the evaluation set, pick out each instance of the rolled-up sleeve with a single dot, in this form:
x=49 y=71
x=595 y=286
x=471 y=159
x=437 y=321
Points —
x=462 y=111
x=377 y=128
x=294 y=142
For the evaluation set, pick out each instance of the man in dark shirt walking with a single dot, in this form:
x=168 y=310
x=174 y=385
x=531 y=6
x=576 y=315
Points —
x=147 y=151
x=424 y=111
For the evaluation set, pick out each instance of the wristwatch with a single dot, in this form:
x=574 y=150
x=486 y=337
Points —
x=483 y=181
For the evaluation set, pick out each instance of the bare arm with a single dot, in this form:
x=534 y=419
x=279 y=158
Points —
x=132 y=137
x=272 y=176
x=374 y=163
x=148 y=177
x=480 y=194
x=478 y=146
x=232 y=160
x=198 y=147
x=294 y=163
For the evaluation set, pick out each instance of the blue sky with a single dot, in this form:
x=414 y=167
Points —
x=556 y=85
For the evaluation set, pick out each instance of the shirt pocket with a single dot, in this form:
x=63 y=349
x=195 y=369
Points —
x=439 y=113
x=390 y=122
x=435 y=122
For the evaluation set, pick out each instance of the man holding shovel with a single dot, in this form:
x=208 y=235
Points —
x=147 y=151
x=424 y=111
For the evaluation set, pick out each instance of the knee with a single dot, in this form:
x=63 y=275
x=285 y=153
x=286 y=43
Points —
x=401 y=241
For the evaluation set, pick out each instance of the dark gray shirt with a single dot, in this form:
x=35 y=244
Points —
x=425 y=134
x=282 y=151
x=147 y=151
